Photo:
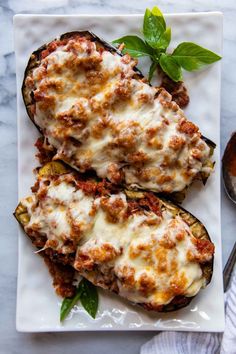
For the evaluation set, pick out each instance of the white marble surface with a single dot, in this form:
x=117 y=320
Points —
x=89 y=343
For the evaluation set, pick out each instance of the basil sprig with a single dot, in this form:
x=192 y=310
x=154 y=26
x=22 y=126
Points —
x=188 y=56
x=68 y=304
x=88 y=296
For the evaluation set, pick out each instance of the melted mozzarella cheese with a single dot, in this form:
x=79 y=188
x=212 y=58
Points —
x=98 y=116
x=147 y=253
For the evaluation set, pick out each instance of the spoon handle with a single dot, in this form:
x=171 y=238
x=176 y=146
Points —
x=228 y=269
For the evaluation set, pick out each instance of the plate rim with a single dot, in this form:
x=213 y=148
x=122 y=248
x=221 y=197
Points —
x=169 y=14
x=19 y=326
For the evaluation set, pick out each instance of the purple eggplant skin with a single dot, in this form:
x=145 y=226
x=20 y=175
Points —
x=197 y=228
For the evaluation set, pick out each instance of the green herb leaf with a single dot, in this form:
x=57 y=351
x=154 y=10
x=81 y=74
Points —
x=170 y=67
x=89 y=297
x=152 y=69
x=193 y=57
x=87 y=294
x=165 y=39
x=134 y=45
x=153 y=27
x=68 y=304
x=157 y=12
x=187 y=55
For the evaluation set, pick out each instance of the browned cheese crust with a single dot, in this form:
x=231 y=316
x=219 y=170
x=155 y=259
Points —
x=99 y=259
x=97 y=112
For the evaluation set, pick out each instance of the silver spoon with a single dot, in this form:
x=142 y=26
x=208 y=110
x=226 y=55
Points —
x=228 y=269
x=229 y=178
x=229 y=168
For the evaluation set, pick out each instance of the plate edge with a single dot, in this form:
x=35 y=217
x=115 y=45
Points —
x=21 y=328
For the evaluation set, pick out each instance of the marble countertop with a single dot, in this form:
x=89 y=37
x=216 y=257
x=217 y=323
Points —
x=60 y=343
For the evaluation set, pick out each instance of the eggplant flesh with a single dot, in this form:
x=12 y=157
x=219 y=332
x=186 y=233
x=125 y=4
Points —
x=64 y=262
x=29 y=100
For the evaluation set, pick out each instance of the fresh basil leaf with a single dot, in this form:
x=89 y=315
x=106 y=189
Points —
x=170 y=67
x=165 y=39
x=157 y=12
x=152 y=69
x=68 y=304
x=153 y=28
x=156 y=54
x=192 y=56
x=89 y=297
x=134 y=45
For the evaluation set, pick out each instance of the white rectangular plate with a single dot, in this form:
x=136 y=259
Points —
x=37 y=305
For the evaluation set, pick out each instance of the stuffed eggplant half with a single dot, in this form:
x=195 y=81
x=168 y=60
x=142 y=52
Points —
x=99 y=113
x=142 y=247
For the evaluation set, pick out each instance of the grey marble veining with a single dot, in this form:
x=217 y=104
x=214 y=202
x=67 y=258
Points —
x=90 y=343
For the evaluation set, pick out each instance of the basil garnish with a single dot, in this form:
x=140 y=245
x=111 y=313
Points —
x=135 y=46
x=188 y=56
x=191 y=56
x=152 y=69
x=89 y=297
x=68 y=304
x=170 y=67
x=153 y=28
x=87 y=294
